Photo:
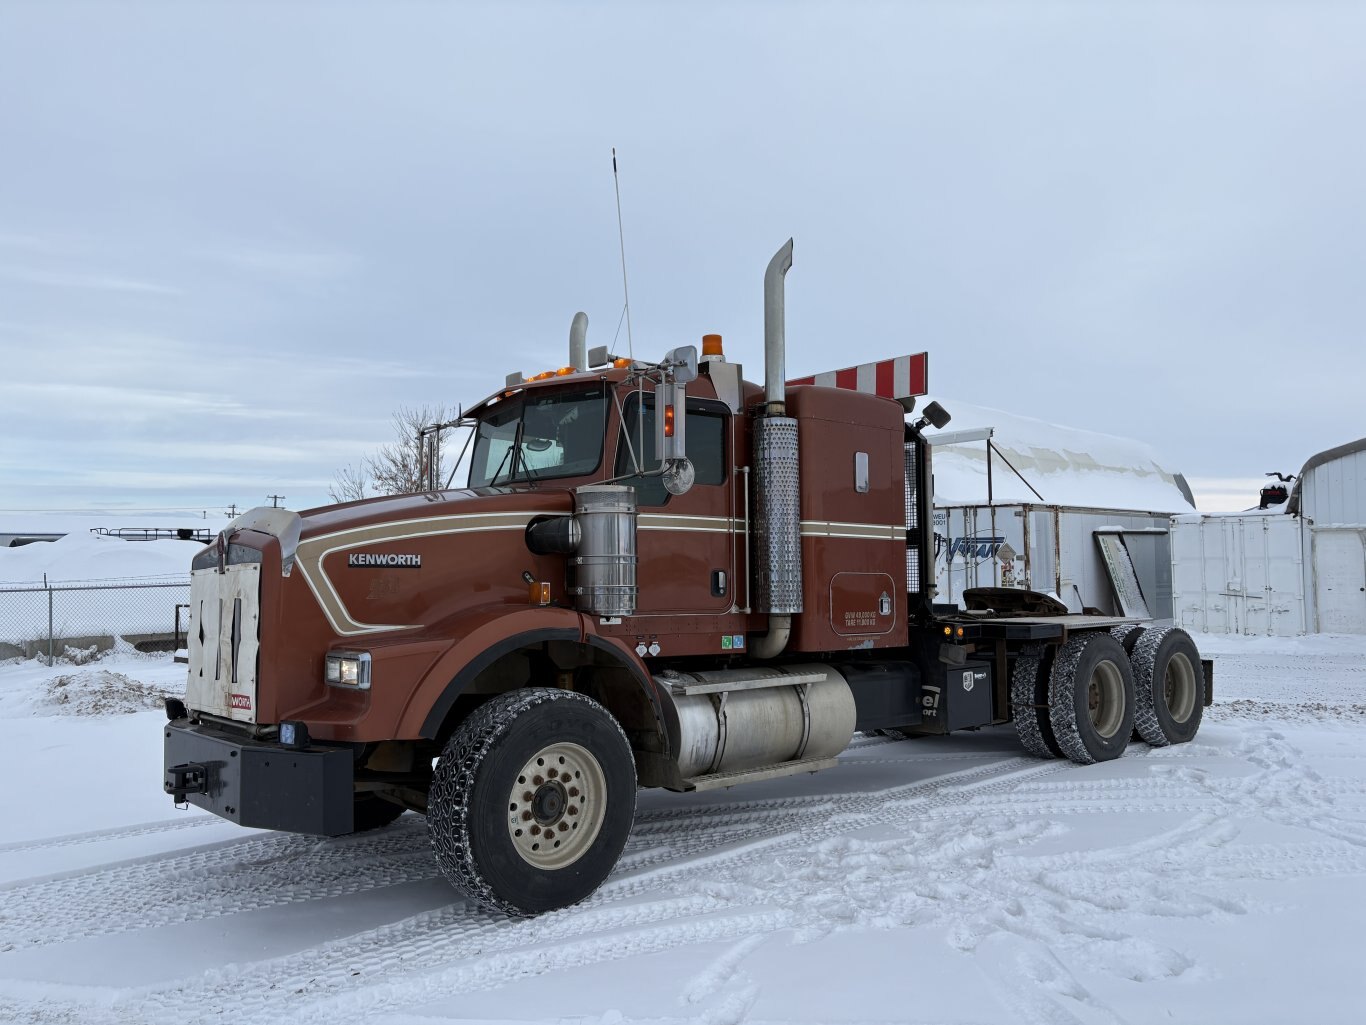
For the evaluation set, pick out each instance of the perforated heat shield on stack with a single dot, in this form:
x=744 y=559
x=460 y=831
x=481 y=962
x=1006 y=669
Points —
x=912 y=521
x=777 y=517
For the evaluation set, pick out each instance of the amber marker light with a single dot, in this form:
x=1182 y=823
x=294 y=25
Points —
x=711 y=346
x=668 y=421
x=564 y=371
x=539 y=592
x=621 y=362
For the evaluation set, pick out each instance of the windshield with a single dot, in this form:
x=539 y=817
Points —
x=539 y=436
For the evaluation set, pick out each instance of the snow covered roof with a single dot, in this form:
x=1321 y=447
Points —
x=1064 y=465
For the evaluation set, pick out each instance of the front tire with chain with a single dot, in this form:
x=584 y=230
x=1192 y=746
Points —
x=532 y=800
x=1091 y=698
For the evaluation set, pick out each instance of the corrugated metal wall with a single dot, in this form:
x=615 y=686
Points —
x=1334 y=494
x=1333 y=504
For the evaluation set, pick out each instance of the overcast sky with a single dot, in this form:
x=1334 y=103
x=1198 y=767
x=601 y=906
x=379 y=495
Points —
x=234 y=239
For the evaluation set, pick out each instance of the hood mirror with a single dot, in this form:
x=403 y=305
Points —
x=684 y=362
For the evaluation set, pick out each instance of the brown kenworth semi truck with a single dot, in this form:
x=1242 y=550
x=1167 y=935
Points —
x=657 y=575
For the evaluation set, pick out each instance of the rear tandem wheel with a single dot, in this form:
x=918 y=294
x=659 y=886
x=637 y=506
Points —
x=1029 y=702
x=1169 y=687
x=1091 y=698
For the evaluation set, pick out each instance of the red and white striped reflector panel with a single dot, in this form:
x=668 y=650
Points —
x=899 y=378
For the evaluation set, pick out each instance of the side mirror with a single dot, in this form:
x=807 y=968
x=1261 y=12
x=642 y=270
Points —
x=937 y=415
x=679 y=476
x=598 y=357
x=684 y=360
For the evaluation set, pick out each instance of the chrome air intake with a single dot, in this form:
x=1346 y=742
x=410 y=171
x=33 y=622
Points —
x=602 y=574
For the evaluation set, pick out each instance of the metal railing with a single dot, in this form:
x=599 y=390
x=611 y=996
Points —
x=200 y=534
x=44 y=619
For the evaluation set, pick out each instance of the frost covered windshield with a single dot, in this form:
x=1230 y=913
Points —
x=539 y=436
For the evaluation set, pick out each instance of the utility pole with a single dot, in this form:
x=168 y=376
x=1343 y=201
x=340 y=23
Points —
x=275 y=500
x=232 y=511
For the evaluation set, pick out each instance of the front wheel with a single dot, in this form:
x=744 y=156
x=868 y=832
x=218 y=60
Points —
x=532 y=800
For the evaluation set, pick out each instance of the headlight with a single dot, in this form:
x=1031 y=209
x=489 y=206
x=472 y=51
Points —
x=348 y=669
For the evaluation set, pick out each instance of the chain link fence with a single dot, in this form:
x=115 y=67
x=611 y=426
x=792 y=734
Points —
x=43 y=620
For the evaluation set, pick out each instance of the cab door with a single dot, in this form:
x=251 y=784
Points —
x=685 y=544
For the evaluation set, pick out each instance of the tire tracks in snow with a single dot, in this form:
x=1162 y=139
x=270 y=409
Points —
x=273 y=869
x=630 y=903
x=109 y=835
x=717 y=873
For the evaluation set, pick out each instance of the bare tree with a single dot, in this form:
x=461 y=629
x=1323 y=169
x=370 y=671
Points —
x=349 y=484
x=400 y=467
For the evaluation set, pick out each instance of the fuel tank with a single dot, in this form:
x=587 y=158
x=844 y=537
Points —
x=736 y=719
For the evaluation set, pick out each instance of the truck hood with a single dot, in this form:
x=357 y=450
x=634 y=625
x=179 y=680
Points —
x=392 y=563
x=394 y=509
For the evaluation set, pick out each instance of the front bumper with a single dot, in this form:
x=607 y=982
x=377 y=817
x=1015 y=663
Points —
x=259 y=784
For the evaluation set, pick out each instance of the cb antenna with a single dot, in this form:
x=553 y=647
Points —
x=621 y=237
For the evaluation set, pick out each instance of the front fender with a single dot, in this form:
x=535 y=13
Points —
x=484 y=635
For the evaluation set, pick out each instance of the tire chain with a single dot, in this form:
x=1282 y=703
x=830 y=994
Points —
x=448 y=812
x=1143 y=661
x=1062 y=710
x=1023 y=681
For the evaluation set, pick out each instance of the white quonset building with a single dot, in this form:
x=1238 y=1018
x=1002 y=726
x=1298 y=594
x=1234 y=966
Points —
x=1330 y=500
x=1282 y=571
x=1024 y=503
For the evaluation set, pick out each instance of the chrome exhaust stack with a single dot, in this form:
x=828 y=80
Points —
x=775 y=332
x=777 y=486
x=578 y=342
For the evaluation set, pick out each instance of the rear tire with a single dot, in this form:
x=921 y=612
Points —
x=1128 y=636
x=1169 y=687
x=507 y=828
x=1091 y=698
x=1029 y=702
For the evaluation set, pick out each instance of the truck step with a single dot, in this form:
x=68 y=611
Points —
x=719 y=780
x=730 y=680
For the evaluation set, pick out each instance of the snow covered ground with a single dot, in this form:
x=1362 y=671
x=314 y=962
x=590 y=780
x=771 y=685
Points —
x=933 y=880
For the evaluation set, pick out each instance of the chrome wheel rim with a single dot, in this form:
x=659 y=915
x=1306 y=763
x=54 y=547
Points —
x=556 y=806
x=1105 y=699
x=1179 y=688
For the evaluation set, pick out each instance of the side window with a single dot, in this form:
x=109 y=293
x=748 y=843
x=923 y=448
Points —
x=706 y=446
